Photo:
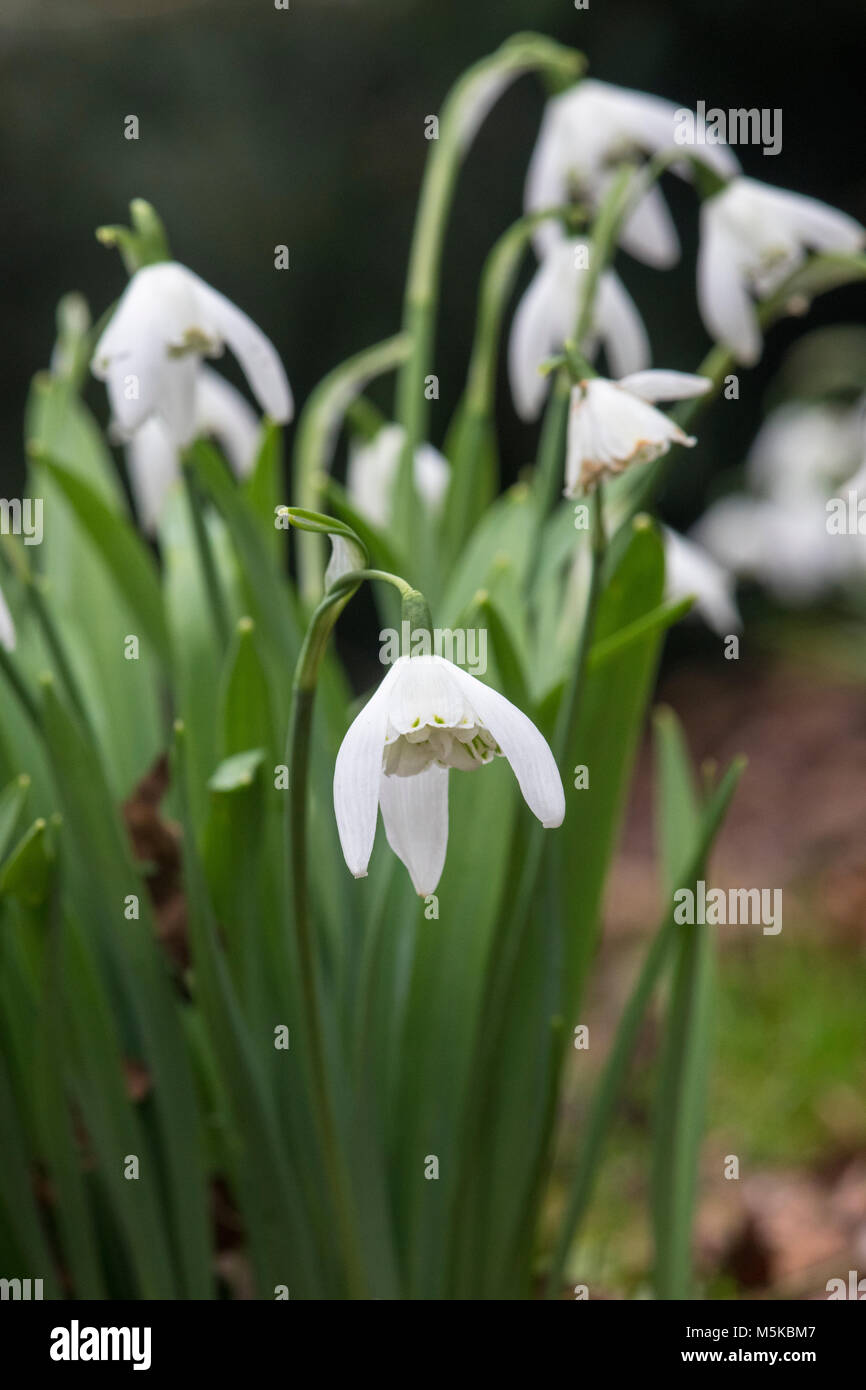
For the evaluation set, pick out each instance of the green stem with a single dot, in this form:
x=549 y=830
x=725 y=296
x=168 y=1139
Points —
x=523 y=53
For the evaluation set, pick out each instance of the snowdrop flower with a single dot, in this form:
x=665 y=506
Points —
x=153 y=458
x=426 y=717
x=785 y=546
x=690 y=571
x=611 y=425
x=585 y=131
x=548 y=315
x=7 y=626
x=803 y=449
x=372 y=474
x=752 y=237
x=150 y=354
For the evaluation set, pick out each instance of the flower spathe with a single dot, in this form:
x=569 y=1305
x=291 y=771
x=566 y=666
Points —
x=585 y=131
x=547 y=316
x=426 y=717
x=612 y=425
x=150 y=354
x=752 y=237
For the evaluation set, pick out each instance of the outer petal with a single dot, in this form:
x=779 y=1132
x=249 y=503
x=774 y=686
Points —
x=7 y=626
x=255 y=352
x=621 y=327
x=649 y=233
x=225 y=413
x=415 y=816
x=357 y=774
x=531 y=340
x=658 y=385
x=152 y=463
x=817 y=224
x=692 y=570
x=523 y=745
x=724 y=302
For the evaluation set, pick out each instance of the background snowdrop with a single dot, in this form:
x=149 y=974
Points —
x=612 y=425
x=585 y=131
x=150 y=354
x=548 y=315
x=752 y=237
x=372 y=474
x=690 y=570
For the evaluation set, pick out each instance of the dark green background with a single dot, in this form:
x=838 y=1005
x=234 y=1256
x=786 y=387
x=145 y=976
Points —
x=305 y=127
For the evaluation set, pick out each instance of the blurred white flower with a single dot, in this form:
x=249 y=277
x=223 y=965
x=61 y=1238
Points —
x=7 y=626
x=153 y=458
x=752 y=237
x=690 y=571
x=426 y=717
x=585 y=131
x=372 y=474
x=150 y=354
x=784 y=546
x=548 y=314
x=803 y=449
x=611 y=425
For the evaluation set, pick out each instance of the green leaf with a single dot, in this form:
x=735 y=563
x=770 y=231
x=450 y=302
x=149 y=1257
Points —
x=127 y=559
x=27 y=872
x=237 y=771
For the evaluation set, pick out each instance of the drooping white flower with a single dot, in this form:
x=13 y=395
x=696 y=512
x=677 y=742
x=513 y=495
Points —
x=373 y=468
x=612 y=425
x=803 y=449
x=752 y=237
x=8 y=636
x=153 y=457
x=690 y=571
x=548 y=315
x=150 y=354
x=426 y=717
x=785 y=546
x=585 y=131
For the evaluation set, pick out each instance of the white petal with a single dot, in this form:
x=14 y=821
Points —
x=820 y=226
x=531 y=341
x=726 y=309
x=255 y=352
x=691 y=571
x=523 y=745
x=415 y=816
x=649 y=234
x=225 y=413
x=153 y=465
x=621 y=327
x=658 y=385
x=357 y=773
x=7 y=626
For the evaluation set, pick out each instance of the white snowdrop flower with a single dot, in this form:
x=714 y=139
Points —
x=153 y=458
x=752 y=237
x=150 y=354
x=426 y=717
x=8 y=636
x=690 y=571
x=611 y=424
x=803 y=449
x=547 y=316
x=784 y=546
x=372 y=475
x=585 y=131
